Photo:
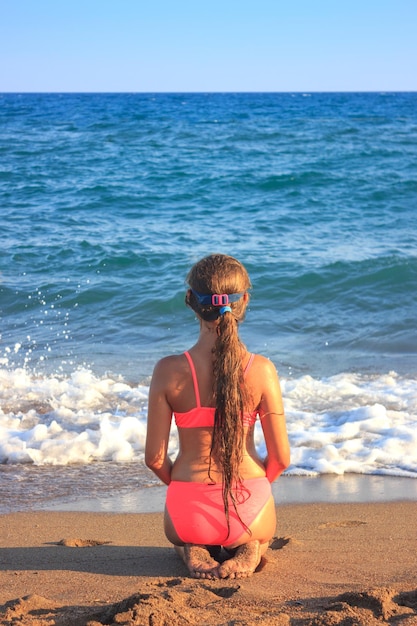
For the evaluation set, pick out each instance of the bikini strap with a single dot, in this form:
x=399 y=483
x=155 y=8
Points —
x=248 y=364
x=194 y=376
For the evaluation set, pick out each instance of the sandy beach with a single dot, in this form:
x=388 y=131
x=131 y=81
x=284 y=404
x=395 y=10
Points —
x=328 y=564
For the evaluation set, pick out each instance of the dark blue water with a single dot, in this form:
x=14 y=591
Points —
x=106 y=201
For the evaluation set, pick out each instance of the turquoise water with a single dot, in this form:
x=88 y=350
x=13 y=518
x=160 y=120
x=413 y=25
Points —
x=106 y=200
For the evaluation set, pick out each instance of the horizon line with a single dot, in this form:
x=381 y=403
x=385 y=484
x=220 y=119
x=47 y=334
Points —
x=295 y=91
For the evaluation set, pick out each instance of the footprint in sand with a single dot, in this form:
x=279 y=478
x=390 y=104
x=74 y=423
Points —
x=342 y=524
x=278 y=543
x=81 y=543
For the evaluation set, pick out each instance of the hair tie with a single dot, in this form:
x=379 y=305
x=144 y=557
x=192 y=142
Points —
x=225 y=309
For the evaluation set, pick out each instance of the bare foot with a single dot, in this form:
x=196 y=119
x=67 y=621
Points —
x=244 y=563
x=199 y=562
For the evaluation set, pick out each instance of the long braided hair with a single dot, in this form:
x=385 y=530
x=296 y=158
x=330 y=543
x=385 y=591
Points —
x=222 y=274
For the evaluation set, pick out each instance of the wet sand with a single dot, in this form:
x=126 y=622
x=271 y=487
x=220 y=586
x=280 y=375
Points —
x=349 y=563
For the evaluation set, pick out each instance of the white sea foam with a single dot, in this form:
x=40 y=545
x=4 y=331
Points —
x=342 y=424
x=353 y=423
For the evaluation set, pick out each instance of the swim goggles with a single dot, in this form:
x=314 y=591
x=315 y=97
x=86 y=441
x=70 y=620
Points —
x=217 y=299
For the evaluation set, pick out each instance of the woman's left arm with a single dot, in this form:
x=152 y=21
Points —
x=273 y=424
x=159 y=425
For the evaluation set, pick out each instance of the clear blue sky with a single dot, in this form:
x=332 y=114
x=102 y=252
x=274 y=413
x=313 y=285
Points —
x=208 y=45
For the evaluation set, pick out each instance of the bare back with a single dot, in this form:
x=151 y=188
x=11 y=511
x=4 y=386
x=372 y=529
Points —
x=172 y=391
x=193 y=460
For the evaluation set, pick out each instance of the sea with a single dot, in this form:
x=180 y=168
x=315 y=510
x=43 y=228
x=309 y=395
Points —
x=107 y=200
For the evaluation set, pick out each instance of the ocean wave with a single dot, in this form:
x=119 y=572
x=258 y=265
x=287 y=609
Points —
x=349 y=423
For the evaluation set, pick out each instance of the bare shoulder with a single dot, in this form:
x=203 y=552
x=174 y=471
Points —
x=264 y=366
x=267 y=384
x=170 y=377
x=263 y=377
x=168 y=368
x=169 y=362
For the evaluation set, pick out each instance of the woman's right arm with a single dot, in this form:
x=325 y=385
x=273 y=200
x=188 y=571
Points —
x=272 y=416
x=159 y=424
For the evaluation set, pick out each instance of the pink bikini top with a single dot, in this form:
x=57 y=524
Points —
x=203 y=416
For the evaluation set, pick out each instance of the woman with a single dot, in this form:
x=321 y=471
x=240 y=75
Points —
x=219 y=490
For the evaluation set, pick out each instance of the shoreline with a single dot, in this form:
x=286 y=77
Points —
x=347 y=488
x=328 y=564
